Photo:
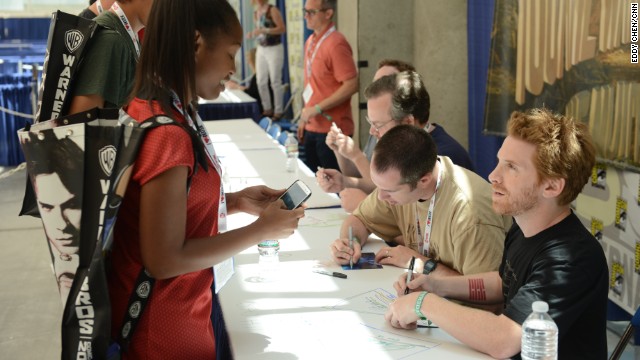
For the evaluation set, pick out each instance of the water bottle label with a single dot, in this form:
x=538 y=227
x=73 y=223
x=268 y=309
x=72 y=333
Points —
x=292 y=148
x=269 y=243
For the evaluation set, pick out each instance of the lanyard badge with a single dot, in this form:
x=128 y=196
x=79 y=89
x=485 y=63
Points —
x=424 y=245
x=198 y=126
x=127 y=26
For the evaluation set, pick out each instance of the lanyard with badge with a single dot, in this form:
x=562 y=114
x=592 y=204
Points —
x=222 y=271
x=198 y=126
x=308 y=92
x=423 y=247
x=127 y=26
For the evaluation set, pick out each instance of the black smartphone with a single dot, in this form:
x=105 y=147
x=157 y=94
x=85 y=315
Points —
x=296 y=194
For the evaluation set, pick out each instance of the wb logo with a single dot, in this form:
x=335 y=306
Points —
x=107 y=159
x=73 y=39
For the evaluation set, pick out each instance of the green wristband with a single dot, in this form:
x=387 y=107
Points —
x=419 y=305
x=320 y=112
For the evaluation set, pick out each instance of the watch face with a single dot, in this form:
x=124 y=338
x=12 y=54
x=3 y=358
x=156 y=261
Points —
x=429 y=266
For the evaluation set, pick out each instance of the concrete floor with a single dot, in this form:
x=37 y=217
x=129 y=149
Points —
x=30 y=307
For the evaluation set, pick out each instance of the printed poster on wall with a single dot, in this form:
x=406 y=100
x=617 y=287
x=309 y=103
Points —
x=295 y=41
x=575 y=57
x=608 y=208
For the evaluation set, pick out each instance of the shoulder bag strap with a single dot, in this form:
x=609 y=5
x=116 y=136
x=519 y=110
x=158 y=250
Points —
x=144 y=283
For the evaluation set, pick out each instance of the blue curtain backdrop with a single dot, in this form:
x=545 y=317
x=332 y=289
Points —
x=482 y=148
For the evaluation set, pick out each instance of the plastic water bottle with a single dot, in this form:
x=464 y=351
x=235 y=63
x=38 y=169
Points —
x=539 y=334
x=291 y=146
x=269 y=259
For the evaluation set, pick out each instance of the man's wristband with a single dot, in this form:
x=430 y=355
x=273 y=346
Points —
x=419 y=305
x=320 y=112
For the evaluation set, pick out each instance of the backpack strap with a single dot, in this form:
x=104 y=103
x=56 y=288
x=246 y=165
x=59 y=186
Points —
x=137 y=302
x=144 y=283
x=200 y=157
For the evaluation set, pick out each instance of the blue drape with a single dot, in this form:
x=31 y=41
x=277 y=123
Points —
x=482 y=148
x=13 y=97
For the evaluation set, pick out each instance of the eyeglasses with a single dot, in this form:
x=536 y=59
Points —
x=311 y=12
x=377 y=128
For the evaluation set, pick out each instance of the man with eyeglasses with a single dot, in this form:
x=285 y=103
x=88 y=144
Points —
x=425 y=207
x=350 y=197
x=330 y=79
x=391 y=100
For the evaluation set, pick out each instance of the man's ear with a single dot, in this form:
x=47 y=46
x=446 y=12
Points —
x=424 y=180
x=329 y=14
x=553 y=187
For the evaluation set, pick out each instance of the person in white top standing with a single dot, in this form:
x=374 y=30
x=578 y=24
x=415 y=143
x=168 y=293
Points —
x=269 y=55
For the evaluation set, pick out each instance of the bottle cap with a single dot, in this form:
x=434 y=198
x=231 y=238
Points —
x=540 y=306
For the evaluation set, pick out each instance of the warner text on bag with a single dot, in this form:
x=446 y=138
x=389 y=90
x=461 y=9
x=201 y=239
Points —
x=68 y=36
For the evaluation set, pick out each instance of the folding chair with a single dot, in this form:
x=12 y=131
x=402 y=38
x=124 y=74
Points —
x=283 y=137
x=274 y=130
x=265 y=123
x=626 y=336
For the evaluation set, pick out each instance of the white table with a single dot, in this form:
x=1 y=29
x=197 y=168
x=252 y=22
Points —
x=251 y=157
x=303 y=315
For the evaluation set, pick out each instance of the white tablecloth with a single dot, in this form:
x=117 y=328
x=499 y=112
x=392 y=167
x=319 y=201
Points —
x=299 y=314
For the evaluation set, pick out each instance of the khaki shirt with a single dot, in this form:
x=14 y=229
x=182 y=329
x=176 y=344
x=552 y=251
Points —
x=466 y=235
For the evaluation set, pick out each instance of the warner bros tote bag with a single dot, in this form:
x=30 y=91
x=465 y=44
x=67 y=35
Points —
x=79 y=167
x=66 y=43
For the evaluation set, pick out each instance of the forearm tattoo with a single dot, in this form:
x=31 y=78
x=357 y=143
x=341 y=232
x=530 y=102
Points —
x=476 y=290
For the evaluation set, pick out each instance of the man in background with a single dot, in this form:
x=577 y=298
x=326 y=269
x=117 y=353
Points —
x=350 y=197
x=330 y=79
x=392 y=100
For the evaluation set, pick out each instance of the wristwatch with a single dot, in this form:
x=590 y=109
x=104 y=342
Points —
x=429 y=266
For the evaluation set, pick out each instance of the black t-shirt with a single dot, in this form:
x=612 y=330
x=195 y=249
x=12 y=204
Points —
x=565 y=266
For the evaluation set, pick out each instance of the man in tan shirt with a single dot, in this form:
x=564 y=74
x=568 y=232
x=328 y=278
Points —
x=465 y=235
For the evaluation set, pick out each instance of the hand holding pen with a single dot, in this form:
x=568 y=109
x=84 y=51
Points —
x=343 y=252
x=332 y=137
x=351 y=246
x=409 y=273
x=321 y=173
x=330 y=180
